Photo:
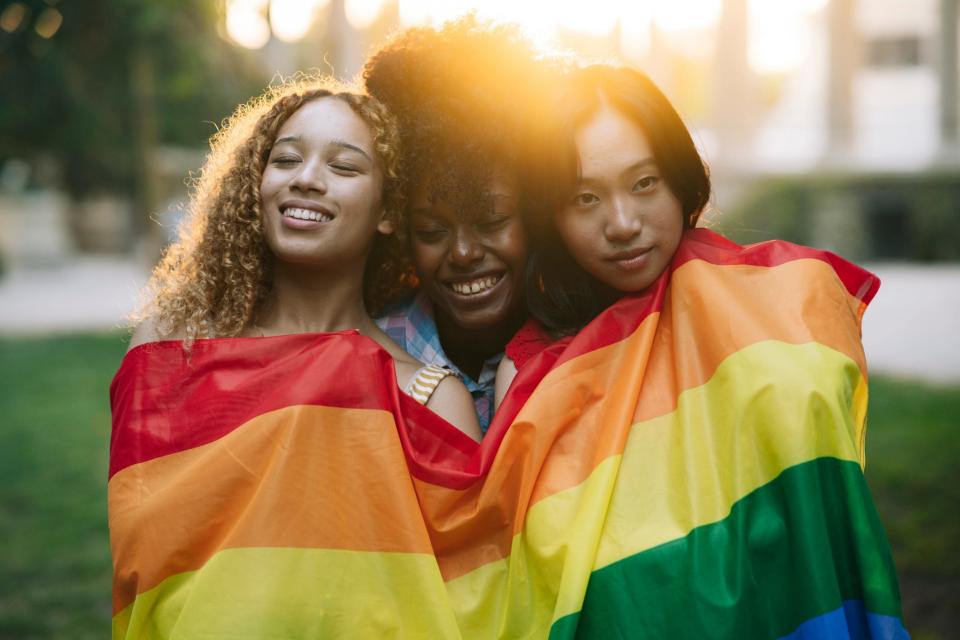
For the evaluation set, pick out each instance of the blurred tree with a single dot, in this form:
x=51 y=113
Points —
x=99 y=88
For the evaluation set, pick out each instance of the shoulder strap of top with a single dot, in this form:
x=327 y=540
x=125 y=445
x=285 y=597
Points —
x=424 y=382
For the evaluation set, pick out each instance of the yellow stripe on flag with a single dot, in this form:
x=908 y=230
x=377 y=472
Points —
x=295 y=593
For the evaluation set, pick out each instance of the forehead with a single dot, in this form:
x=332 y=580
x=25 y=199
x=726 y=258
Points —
x=424 y=193
x=326 y=119
x=608 y=140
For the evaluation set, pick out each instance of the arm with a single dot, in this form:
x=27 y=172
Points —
x=506 y=372
x=452 y=402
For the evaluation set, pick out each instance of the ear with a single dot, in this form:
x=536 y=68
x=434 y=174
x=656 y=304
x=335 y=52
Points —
x=385 y=226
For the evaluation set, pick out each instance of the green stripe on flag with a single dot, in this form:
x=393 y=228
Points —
x=793 y=549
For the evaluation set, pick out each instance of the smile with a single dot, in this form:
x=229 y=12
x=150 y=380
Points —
x=476 y=286
x=307 y=214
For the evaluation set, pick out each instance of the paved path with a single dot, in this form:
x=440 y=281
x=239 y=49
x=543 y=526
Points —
x=911 y=329
x=85 y=293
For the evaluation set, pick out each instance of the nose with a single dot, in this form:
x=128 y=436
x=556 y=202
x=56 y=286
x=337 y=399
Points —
x=623 y=222
x=466 y=248
x=310 y=177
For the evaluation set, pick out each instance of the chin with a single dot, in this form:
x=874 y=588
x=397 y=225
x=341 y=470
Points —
x=479 y=319
x=635 y=286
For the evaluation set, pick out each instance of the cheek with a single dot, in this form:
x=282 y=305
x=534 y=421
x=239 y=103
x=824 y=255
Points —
x=370 y=193
x=426 y=258
x=267 y=181
x=575 y=233
x=513 y=247
x=671 y=222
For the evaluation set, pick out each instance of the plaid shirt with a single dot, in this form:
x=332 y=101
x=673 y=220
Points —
x=411 y=325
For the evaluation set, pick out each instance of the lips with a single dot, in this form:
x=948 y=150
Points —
x=475 y=286
x=631 y=259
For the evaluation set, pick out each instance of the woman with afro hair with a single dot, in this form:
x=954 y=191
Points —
x=471 y=99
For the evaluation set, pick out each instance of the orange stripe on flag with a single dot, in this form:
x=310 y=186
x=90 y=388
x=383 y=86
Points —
x=315 y=477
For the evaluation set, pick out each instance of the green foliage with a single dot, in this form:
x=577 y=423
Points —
x=80 y=96
x=863 y=216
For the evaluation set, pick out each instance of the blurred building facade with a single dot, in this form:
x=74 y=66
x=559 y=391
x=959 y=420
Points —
x=853 y=145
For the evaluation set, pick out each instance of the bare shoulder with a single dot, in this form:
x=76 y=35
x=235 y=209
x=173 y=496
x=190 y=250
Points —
x=147 y=331
x=506 y=372
x=452 y=402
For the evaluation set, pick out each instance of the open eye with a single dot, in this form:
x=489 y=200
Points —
x=585 y=199
x=646 y=183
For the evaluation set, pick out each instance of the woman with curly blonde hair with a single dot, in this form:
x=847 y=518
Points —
x=293 y=227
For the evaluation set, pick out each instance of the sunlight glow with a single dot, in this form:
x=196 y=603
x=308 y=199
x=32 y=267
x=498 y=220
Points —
x=291 y=20
x=635 y=22
x=593 y=17
x=12 y=17
x=539 y=19
x=810 y=6
x=531 y=16
x=781 y=34
x=247 y=23
x=781 y=31
x=688 y=15
x=48 y=22
x=436 y=12
x=362 y=13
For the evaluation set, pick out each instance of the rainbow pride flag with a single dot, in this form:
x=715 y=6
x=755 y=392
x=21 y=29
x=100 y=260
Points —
x=688 y=466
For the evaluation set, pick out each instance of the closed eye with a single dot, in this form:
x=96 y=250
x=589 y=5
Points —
x=494 y=222
x=343 y=167
x=429 y=234
x=285 y=160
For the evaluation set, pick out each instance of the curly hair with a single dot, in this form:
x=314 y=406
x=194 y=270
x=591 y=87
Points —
x=212 y=281
x=470 y=97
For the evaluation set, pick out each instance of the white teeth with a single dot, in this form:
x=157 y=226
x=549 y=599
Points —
x=475 y=286
x=306 y=214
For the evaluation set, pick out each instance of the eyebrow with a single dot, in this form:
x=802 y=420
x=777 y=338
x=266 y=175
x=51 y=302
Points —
x=639 y=164
x=425 y=212
x=337 y=143
x=346 y=145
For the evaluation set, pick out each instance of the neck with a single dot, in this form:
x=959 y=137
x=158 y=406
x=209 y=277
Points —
x=304 y=299
x=469 y=348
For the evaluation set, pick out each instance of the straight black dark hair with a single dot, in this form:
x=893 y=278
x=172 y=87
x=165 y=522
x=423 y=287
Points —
x=560 y=294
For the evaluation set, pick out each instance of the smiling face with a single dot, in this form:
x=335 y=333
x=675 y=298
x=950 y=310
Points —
x=471 y=264
x=623 y=224
x=322 y=187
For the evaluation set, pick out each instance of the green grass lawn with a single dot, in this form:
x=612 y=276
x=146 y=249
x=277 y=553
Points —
x=913 y=453
x=55 y=429
x=54 y=440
